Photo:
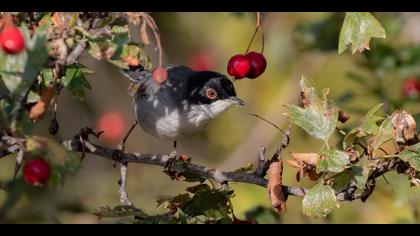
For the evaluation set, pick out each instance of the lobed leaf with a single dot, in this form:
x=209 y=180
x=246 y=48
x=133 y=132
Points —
x=318 y=117
x=319 y=201
x=358 y=28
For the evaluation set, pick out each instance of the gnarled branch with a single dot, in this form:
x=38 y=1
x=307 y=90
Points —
x=161 y=160
x=393 y=164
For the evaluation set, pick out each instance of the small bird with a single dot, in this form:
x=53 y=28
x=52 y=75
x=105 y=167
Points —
x=184 y=104
x=181 y=106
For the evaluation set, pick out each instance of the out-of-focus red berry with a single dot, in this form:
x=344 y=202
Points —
x=36 y=172
x=113 y=125
x=202 y=61
x=411 y=87
x=12 y=40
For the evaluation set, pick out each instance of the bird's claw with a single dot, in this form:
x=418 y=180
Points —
x=170 y=161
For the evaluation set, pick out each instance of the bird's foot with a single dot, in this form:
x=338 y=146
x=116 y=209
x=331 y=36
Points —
x=125 y=201
x=117 y=155
x=170 y=161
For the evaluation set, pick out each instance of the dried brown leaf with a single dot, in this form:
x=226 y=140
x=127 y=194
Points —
x=56 y=19
x=37 y=112
x=275 y=191
x=293 y=163
x=308 y=158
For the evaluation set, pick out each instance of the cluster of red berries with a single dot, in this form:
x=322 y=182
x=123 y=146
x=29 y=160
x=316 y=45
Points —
x=36 y=172
x=251 y=65
x=411 y=87
x=12 y=40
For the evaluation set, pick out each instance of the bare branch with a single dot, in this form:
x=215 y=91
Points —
x=223 y=177
x=77 y=51
x=161 y=160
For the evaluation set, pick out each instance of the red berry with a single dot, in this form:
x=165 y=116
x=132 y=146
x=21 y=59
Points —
x=36 y=172
x=411 y=87
x=11 y=40
x=112 y=123
x=238 y=66
x=202 y=61
x=258 y=64
x=160 y=75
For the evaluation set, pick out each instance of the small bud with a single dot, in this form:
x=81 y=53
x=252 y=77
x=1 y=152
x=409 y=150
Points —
x=343 y=116
x=54 y=127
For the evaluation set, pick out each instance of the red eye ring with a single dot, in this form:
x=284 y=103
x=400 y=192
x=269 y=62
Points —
x=211 y=93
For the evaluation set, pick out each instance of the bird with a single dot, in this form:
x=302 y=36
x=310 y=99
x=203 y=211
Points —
x=184 y=104
x=178 y=108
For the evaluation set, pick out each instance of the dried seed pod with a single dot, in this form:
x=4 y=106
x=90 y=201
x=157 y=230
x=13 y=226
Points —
x=54 y=127
x=343 y=116
x=404 y=126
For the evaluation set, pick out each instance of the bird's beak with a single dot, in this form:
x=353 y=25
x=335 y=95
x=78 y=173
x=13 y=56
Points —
x=236 y=101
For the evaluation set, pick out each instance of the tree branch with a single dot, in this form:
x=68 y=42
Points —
x=349 y=194
x=161 y=160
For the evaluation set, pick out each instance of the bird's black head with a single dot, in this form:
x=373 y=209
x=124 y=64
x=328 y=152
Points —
x=207 y=87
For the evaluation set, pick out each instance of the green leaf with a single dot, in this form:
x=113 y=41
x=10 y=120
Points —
x=263 y=215
x=318 y=117
x=75 y=82
x=37 y=56
x=361 y=172
x=341 y=180
x=358 y=28
x=319 y=201
x=385 y=133
x=333 y=161
x=208 y=202
x=32 y=97
x=47 y=75
x=119 y=211
x=368 y=126
x=412 y=156
x=11 y=70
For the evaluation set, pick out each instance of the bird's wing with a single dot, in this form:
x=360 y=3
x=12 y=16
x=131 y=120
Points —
x=140 y=78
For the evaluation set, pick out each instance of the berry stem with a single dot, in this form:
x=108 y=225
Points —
x=152 y=24
x=258 y=26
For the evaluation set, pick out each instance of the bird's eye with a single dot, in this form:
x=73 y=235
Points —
x=211 y=93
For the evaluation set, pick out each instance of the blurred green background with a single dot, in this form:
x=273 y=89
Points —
x=207 y=41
